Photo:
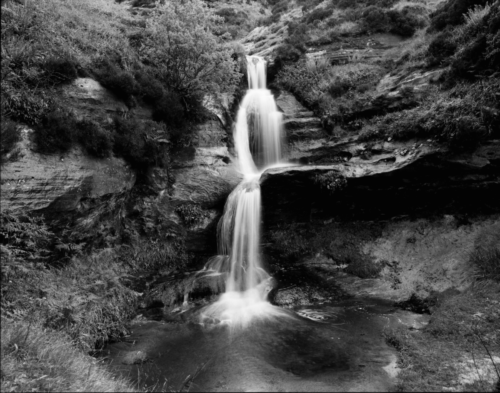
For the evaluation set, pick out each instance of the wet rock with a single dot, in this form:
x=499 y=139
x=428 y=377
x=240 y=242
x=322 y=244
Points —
x=134 y=357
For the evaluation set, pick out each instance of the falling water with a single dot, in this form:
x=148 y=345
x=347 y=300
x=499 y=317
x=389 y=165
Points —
x=257 y=134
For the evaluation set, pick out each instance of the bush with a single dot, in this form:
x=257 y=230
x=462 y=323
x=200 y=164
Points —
x=440 y=49
x=121 y=83
x=375 y=20
x=330 y=181
x=150 y=89
x=96 y=141
x=452 y=13
x=56 y=133
x=170 y=110
x=25 y=106
x=9 y=135
x=136 y=142
x=59 y=70
x=194 y=61
x=403 y=23
x=191 y=214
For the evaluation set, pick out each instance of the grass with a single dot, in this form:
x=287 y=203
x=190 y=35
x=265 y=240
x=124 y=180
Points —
x=34 y=358
x=463 y=327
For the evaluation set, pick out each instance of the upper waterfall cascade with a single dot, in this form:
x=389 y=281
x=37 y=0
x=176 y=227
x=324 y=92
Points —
x=258 y=139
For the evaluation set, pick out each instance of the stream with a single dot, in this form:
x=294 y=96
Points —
x=342 y=349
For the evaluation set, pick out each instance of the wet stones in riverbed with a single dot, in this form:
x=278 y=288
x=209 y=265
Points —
x=134 y=357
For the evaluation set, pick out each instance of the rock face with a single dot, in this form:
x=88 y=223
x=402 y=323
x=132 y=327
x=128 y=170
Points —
x=205 y=173
x=57 y=183
x=303 y=131
x=415 y=211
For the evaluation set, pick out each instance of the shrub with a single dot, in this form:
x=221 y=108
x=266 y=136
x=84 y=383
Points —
x=452 y=13
x=479 y=40
x=403 y=23
x=440 y=49
x=330 y=181
x=56 y=132
x=150 y=89
x=170 y=110
x=194 y=61
x=136 y=142
x=26 y=106
x=96 y=141
x=59 y=70
x=375 y=19
x=191 y=214
x=9 y=135
x=122 y=83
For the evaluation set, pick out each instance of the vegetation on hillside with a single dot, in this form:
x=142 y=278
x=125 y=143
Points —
x=74 y=282
x=461 y=110
x=168 y=60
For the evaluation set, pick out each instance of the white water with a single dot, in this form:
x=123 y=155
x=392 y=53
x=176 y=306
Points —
x=258 y=130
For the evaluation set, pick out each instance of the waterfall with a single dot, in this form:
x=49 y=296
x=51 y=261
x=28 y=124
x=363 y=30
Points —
x=257 y=139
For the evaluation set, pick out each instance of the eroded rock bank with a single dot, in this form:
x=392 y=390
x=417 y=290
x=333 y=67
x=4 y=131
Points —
x=388 y=220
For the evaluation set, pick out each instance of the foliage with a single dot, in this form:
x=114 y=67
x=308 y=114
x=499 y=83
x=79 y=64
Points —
x=479 y=40
x=191 y=214
x=140 y=143
x=9 y=135
x=452 y=13
x=91 y=41
x=25 y=106
x=87 y=298
x=56 y=132
x=37 y=359
x=193 y=60
x=120 y=82
x=457 y=118
x=330 y=181
x=440 y=49
x=313 y=83
x=170 y=110
x=96 y=141
x=403 y=23
x=24 y=238
x=59 y=70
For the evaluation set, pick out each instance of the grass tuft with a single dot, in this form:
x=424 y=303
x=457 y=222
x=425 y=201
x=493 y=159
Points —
x=38 y=359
